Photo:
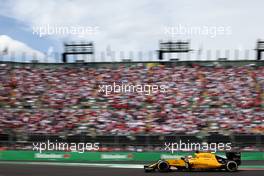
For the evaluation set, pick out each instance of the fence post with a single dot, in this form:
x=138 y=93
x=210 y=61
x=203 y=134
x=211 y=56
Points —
x=13 y=56
x=246 y=54
x=57 y=57
x=217 y=54
x=102 y=56
x=140 y=56
x=208 y=55
x=122 y=55
x=93 y=59
x=150 y=55
x=1 y=57
x=113 y=56
x=236 y=54
x=227 y=53
x=131 y=55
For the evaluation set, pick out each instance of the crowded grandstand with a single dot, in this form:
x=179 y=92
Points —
x=198 y=99
x=65 y=100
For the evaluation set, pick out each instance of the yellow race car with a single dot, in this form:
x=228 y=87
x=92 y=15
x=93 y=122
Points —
x=200 y=161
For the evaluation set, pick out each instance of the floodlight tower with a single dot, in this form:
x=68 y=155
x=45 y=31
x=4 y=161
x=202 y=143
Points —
x=75 y=48
x=259 y=49
x=173 y=47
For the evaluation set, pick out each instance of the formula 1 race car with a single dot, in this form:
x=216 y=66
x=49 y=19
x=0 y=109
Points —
x=200 y=161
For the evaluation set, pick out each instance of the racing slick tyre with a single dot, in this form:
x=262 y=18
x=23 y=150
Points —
x=231 y=166
x=163 y=166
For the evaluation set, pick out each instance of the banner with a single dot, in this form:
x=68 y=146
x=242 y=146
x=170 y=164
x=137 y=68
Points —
x=11 y=155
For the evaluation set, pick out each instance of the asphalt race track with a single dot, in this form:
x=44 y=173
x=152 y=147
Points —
x=50 y=170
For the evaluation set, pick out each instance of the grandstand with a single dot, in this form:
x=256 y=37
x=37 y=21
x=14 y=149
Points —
x=206 y=101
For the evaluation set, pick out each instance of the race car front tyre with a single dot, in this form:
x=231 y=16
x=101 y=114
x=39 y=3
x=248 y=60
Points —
x=163 y=166
x=231 y=166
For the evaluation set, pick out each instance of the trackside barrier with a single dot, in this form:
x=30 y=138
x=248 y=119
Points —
x=11 y=155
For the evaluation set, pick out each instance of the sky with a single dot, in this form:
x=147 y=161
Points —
x=129 y=25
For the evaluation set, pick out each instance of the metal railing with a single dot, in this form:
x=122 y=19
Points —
x=132 y=56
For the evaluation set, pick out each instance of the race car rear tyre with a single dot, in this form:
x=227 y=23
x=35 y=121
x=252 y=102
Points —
x=231 y=166
x=163 y=166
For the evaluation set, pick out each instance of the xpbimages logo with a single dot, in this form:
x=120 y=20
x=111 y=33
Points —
x=192 y=146
x=48 y=30
x=146 y=89
x=62 y=146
